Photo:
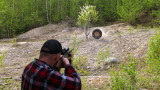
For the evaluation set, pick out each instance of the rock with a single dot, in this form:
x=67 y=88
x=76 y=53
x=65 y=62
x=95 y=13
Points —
x=21 y=42
x=17 y=78
x=1 y=82
x=144 y=89
x=111 y=60
x=5 y=77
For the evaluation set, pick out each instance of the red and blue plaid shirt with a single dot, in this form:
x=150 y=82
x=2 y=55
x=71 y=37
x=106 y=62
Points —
x=39 y=75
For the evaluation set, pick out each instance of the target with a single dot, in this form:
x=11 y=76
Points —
x=97 y=33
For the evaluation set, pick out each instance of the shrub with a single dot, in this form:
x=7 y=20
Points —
x=128 y=10
x=125 y=77
x=80 y=64
x=153 y=55
x=102 y=55
x=87 y=15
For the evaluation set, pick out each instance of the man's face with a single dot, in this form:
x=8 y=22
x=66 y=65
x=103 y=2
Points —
x=58 y=62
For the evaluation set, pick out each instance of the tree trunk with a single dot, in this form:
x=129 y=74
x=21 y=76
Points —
x=12 y=16
x=47 y=11
x=50 y=11
x=87 y=31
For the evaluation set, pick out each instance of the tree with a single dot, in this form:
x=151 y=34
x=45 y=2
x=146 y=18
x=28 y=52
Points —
x=87 y=15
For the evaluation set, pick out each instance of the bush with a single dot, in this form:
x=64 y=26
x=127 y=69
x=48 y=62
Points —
x=153 y=55
x=80 y=64
x=125 y=78
x=128 y=10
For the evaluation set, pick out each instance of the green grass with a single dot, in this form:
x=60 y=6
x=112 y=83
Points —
x=153 y=55
x=2 y=59
x=124 y=78
x=137 y=74
x=9 y=84
x=101 y=56
x=80 y=64
x=131 y=30
x=14 y=42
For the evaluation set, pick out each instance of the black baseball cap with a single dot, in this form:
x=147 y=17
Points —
x=52 y=47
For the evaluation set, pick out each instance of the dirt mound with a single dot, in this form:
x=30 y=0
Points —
x=41 y=32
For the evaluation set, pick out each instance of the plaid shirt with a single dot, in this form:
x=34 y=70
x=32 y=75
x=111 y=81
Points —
x=39 y=75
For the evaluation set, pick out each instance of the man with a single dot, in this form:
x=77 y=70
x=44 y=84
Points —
x=42 y=73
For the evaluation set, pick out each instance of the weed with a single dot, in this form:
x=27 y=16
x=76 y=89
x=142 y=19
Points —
x=102 y=55
x=157 y=29
x=153 y=55
x=80 y=64
x=14 y=42
x=119 y=34
x=148 y=28
x=139 y=26
x=130 y=29
x=2 y=59
x=125 y=78
x=74 y=44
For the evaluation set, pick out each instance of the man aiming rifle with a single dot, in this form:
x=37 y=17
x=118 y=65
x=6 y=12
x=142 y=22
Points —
x=43 y=73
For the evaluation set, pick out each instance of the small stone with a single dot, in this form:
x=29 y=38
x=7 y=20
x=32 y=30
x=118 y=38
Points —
x=6 y=77
x=21 y=42
x=1 y=82
x=112 y=60
x=17 y=78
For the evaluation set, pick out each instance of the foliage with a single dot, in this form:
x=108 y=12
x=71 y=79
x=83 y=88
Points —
x=74 y=44
x=14 y=42
x=128 y=10
x=2 y=59
x=102 y=55
x=87 y=15
x=80 y=64
x=153 y=55
x=125 y=78
x=19 y=16
x=139 y=73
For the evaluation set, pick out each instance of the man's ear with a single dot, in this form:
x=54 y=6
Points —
x=57 y=56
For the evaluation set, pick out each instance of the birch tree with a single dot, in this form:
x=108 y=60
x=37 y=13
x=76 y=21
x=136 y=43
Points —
x=87 y=15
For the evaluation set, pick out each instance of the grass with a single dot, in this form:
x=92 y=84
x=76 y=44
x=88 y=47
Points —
x=2 y=59
x=14 y=42
x=102 y=56
x=75 y=44
x=137 y=74
x=10 y=84
x=124 y=78
x=131 y=30
x=80 y=64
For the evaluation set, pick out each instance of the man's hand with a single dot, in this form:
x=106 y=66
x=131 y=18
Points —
x=65 y=61
x=59 y=65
